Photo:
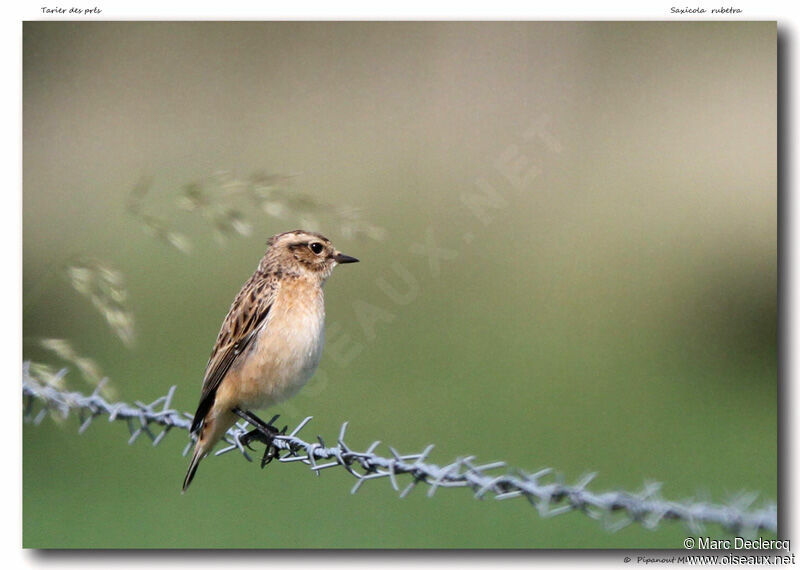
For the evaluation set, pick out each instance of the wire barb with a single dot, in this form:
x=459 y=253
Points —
x=614 y=509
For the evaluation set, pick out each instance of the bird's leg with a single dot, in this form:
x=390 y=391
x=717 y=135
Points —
x=263 y=432
x=253 y=419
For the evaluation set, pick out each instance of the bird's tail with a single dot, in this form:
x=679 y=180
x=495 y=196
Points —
x=213 y=428
x=196 y=457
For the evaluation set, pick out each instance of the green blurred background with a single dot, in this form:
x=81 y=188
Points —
x=615 y=312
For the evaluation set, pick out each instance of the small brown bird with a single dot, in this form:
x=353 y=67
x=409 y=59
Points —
x=271 y=340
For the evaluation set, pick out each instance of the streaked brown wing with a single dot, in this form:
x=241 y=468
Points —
x=240 y=327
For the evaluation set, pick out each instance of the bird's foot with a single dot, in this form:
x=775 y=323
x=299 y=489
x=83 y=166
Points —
x=265 y=433
x=259 y=435
x=271 y=452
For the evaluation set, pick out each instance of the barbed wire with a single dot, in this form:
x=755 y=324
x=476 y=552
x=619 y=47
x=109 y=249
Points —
x=545 y=489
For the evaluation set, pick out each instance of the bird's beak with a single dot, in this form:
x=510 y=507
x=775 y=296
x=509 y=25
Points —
x=342 y=258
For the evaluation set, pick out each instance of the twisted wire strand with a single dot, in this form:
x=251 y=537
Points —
x=544 y=489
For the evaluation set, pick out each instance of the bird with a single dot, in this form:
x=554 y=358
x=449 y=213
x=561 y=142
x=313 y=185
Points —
x=271 y=340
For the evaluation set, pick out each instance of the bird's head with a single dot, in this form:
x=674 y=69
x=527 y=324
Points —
x=307 y=253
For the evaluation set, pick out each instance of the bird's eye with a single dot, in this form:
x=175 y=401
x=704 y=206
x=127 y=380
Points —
x=316 y=247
